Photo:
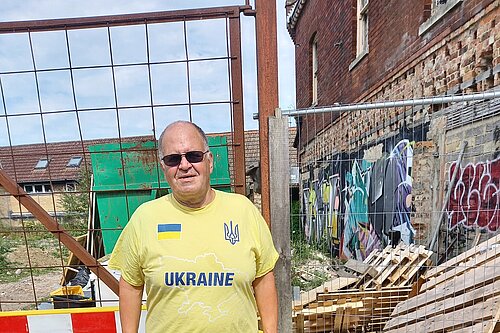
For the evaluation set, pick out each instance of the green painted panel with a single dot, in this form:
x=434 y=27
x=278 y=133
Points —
x=127 y=175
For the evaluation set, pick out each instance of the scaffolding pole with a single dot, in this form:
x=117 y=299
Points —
x=395 y=104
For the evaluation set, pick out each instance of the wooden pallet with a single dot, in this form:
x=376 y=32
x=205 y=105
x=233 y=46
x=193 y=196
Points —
x=349 y=310
x=333 y=285
x=399 y=266
x=460 y=295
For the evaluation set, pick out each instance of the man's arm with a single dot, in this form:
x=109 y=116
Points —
x=267 y=302
x=130 y=306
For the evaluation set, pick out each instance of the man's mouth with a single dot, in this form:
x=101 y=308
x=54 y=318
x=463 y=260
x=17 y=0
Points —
x=186 y=176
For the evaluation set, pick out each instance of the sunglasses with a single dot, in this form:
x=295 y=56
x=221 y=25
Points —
x=194 y=156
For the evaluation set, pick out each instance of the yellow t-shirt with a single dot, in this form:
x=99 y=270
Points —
x=198 y=265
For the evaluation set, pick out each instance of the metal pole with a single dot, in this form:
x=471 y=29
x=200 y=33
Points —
x=267 y=87
x=395 y=104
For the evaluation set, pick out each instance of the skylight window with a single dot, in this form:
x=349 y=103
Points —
x=43 y=163
x=74 y=161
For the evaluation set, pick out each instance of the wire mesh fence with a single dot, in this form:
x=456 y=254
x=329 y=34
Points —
x=397 y=216
x=83 y=102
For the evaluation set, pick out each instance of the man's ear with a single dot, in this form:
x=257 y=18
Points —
x=211 y=157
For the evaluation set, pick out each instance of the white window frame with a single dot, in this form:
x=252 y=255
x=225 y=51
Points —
x=438 y=11
x=37 y=188
x=314 y=72
x=362 y=27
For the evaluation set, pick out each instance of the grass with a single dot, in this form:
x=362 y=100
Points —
x=308 y=261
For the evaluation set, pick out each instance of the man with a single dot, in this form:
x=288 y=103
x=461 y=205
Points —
x=204 y=256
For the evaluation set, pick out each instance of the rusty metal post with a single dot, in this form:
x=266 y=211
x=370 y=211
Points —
x=267 y=87
x=237 y=106
x=78 y=250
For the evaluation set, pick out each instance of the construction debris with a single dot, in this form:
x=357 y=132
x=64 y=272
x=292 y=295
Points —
x=384 y=280
x=460 y=295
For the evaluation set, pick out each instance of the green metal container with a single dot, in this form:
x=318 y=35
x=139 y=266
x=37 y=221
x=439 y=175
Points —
x=129 y=174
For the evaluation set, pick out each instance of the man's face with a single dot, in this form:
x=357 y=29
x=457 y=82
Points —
x=190 y=182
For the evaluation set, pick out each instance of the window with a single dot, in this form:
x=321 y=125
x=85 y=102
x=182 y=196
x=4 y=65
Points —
x=70 y=187
x=314 y=55
x=438 y=9
x=38 y=188
x=362 y=28
x=42 y=163
x=74 y=162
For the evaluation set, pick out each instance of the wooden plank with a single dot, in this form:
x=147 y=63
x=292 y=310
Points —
x=446 y=305
x=462 y=317
x=464 y=266
x=337 y=326
x=481 y=327
x=451 y=288
x=462 y=257
x=364 y=294
x=72 y=262
x=408 y=276
x=360 y=267
x=299 y=328
x=280 y=214
x=332 y=285
x=494 y=325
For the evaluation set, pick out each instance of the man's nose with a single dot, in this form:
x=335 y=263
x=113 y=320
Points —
x=184 y=163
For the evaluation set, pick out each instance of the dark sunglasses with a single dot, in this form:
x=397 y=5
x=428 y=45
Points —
x=194 y=156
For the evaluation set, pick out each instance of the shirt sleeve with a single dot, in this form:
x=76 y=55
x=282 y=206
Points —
x=126 y=255
x=266 y=255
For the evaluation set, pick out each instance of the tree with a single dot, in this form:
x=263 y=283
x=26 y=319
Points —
x=76 y=204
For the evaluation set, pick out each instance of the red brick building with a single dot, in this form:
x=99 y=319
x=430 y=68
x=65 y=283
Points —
x=372 y=50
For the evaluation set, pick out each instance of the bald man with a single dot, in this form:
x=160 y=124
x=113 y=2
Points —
x=204 y=256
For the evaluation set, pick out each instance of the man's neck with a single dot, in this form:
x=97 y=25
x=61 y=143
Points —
x=207 y=199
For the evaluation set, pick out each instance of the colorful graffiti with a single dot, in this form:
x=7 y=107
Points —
x=358 y=205
x=475 y=198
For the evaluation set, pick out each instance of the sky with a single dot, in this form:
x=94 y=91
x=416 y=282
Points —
x=94 y=96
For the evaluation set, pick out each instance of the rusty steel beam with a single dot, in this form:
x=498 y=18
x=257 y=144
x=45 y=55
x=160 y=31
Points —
x=267 y=87
x=51 y=225
x=238 y=117
x=120 y=20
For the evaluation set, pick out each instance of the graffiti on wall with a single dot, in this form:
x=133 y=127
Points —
x=475 y=196
x=356 y=205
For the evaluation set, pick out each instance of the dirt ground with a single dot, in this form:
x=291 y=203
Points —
x=20 y=295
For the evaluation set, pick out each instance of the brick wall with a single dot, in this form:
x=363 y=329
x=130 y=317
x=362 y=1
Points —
x=460 y=53
x=467 y=59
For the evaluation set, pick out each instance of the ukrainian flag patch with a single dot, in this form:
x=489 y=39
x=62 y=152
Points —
x=169 y=231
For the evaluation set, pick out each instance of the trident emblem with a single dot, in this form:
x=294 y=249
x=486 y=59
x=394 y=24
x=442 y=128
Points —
x=231 y=235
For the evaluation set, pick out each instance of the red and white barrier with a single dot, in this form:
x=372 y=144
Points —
x=83 y=320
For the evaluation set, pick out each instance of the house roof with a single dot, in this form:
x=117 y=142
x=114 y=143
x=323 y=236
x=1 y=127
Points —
x=294 y=15
x=19 y=161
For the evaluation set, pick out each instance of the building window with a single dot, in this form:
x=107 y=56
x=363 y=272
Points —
x=362 y=28
x=438 y=9
x=70 y=187
x=42 y=163
x=38 y=188
x=74 y=162
x=314 y=56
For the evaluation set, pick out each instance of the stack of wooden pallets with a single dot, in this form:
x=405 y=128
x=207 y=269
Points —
x=385 y=279
x=460 y=295
x=399 y=266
